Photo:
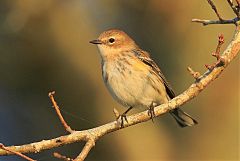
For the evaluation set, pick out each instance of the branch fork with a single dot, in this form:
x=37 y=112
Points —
x=90 y=139
x=195 y=75
x=220 y=19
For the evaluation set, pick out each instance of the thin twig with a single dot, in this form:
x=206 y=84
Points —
x=88 y=146
x=62 y=157
x=195 y=75
x=16 y=153
x=234 y=8
x=220 y=60
x=210 y=22
x=238 y=3
x=220 y=43
x=215 y=9
x=221 y=20
x=56 y=107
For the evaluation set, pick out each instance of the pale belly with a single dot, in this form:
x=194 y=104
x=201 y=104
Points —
x=136 y=86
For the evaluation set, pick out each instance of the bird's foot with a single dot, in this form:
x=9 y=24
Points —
x=121 y=118
x=151 y=112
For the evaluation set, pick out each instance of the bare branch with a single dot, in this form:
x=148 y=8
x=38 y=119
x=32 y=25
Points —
x=220 y=43
x=238 y=3
x=210 y=22
x=234 y=8
x=16 y=153
x=56 y=107
x=94 y=134
x=220 y=19
x=62 y=157
x=195 y=75
x=215 y=9
x=220 y=60
x=90 y=140
x=88 y=146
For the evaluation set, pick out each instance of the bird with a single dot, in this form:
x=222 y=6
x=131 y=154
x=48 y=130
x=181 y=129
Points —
x=133 y=78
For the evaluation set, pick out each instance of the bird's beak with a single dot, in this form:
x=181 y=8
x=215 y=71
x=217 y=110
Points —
x=96 y=42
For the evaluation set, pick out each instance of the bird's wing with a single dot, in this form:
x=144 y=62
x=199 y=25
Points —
x=145 y=58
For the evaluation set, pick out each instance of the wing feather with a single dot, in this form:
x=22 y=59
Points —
x=145 y=58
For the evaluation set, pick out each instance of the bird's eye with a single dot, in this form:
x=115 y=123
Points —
x=111 y=40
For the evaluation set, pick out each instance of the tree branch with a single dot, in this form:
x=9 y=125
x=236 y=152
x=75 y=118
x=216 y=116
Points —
x=234 y=8
x=210 y=2
x=210 y=22
x=220 y=19
x=86 y=149
x=220 y=60
x=56 y=107
x=195 y=75
x=238 y=4
x=59 y=156
x=16 y=153
x=90 y=136
x=95 y=133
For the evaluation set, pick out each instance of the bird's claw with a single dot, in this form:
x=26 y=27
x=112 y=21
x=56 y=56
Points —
x=151 y=112
x=121 y=118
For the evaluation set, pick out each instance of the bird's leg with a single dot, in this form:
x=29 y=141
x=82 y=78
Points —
x=123 y=116
x=151 y=112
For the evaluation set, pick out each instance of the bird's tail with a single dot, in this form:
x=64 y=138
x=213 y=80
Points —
x=183 y=119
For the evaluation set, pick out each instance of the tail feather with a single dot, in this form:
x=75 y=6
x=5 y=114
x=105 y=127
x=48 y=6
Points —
x=183 y=119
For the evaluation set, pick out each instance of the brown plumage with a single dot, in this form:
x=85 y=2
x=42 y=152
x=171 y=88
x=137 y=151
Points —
x=132 y=77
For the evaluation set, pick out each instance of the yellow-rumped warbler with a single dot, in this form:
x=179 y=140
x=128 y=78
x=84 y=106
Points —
x=133 y=78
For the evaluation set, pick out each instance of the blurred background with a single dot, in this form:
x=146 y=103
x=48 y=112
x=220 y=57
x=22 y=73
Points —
x=44 y=46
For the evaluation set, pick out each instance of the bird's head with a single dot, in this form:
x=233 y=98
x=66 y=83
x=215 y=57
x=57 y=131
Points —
x=112 y=42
